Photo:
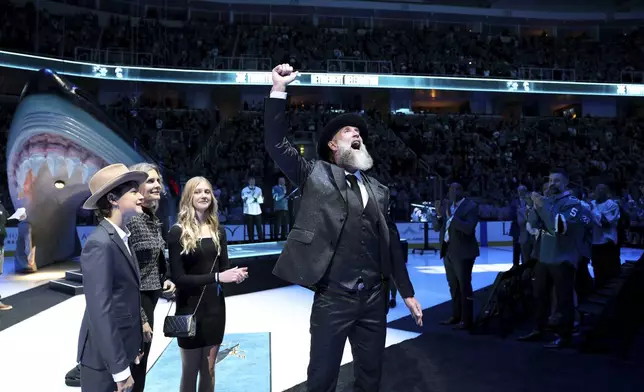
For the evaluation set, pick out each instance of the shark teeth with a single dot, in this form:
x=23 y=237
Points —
x=37 y=161
x=71 y=163
x=62 y=163
x=23 y=169
x=85 y=171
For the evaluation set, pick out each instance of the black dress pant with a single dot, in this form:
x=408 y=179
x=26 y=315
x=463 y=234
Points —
x=606 y=263
x=149 y=301
x=93 y=380
x=337 y=315
x=583 y=280
x=521 y=252
x=516 y=253
x=459 y=278
x=281 y=225
x=526 y=251
x=254 y=222
x=562 y=277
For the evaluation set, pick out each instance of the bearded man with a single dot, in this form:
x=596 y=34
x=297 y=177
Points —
x=341 y=245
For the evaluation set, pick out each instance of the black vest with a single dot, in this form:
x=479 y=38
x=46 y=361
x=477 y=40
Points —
x=357 y=255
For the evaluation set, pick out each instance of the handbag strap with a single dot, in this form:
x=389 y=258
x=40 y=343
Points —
x=203 y=290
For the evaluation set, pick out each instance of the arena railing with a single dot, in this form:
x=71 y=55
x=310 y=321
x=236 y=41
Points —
x=351 y=65
x=632 y=77
x=557 y=74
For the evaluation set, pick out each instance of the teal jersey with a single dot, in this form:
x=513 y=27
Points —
x=566 y=229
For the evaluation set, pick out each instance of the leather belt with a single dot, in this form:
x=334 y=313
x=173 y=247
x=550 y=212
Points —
x=359 y=288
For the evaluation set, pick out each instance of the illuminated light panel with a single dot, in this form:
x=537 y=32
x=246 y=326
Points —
x=389 y=81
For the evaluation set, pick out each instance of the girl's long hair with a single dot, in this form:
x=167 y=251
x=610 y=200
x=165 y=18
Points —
x=187 y=218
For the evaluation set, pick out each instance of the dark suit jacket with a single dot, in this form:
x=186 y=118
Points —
x=518 y=230
x=323 y=210
x=111 y=332
x=462 y=231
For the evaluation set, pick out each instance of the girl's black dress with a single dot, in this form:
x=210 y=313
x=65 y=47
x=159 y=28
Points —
x=190 y=272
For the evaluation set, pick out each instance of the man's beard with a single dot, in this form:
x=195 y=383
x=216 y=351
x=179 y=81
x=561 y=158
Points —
x=351 y=158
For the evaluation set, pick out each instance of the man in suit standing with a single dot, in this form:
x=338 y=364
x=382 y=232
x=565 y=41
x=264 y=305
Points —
x=456 y=223
x=111 y=333
x=340 y=245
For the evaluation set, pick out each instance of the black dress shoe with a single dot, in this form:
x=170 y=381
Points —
x=392 y=303
x=450 y=321
x=533 y=336
x=559 y=343
x=73 y=377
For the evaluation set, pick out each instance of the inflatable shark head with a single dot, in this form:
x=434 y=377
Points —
x=58 y=139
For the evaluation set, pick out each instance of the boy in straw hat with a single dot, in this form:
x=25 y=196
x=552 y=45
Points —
x=111 y=332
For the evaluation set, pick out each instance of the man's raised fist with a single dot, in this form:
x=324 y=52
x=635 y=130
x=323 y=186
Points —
x=283 y=75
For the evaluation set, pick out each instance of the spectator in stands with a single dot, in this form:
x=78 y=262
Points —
x=253 y=199
x=436 y=50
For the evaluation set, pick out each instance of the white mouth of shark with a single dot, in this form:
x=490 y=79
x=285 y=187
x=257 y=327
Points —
x=63 y=158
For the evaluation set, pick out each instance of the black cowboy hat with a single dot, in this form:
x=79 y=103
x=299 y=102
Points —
x=336 y=124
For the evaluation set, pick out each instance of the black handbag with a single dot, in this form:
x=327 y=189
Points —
x=184 y=326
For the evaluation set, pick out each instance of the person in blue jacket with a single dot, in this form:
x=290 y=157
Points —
x=564 y=223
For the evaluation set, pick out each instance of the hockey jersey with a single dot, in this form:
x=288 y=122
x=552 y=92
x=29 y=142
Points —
x=566 y=229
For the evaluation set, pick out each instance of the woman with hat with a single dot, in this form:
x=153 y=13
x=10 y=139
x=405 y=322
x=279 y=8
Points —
x=111 y=332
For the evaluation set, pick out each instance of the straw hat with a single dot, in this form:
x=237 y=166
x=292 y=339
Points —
x=109 y=178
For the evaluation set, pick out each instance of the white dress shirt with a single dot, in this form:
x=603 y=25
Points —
x=278 y=94
x=452 y=209
x=124 y=235
x=361 y=185
x=252 y=199
x=609 y=210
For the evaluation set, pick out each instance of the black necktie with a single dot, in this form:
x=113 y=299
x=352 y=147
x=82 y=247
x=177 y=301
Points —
x=353 y=180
